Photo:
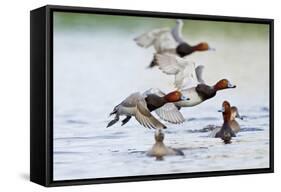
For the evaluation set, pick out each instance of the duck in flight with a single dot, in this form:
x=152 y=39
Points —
x=140 y=106
x=188 y=79
x=166 y=40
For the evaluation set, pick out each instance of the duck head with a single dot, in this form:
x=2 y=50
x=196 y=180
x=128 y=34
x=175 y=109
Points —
x=226 y=110
x=203 y=46
x=223 y=84
x=175 y=96
x=159 y=135
x=235 y=113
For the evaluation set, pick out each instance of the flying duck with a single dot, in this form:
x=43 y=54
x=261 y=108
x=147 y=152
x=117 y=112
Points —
x=167 y=40
x=188 y=79
x=140 y=106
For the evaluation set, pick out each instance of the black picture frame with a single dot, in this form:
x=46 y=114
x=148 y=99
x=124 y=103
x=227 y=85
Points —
x=41 y=99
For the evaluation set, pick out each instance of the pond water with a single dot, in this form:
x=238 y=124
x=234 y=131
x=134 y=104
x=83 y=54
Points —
x=94 y=71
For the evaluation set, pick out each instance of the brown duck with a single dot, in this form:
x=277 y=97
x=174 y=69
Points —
x=226 y=133
x=159 y=149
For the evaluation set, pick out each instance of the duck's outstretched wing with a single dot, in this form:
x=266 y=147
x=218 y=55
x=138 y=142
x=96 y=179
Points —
x=170 y=64
x=177 y=31
x=131 y=100
x=190 y=77
x=199 y=71
x=183 y=69
x=144 y=117
x=155 y=91
x=170 y=113
x=161 y=39
x=145 y=40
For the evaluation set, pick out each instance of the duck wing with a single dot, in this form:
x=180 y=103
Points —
x=155 y=91
x=165 y=43
x=170 y=113
x=177 y=33
x=145 y=40
x=136 y=101
x=190 y=77
x=144 y=116
x=199 y=71
x=131 y=100
x=184 y=70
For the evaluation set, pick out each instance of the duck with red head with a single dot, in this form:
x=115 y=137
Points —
x=233 y=124
x=166 y=40
x=202 y=92
x=140 y=106
x=197 y=94
x=226 y=133
x=188 y=79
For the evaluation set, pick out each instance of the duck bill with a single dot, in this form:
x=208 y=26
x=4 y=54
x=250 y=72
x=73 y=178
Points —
x=239 y=117
x=231 y=86
x=212 y=49
x=222 y=110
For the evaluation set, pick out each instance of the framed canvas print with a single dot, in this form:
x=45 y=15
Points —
x=122 y=95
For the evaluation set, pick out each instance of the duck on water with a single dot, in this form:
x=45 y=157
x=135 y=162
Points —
x=226 y=132
x=166 y=40
x=159 y=149
x=234 y=125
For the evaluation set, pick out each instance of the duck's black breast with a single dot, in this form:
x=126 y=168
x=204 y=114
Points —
x=205 y=91
x=154 y=102
x=184 y=49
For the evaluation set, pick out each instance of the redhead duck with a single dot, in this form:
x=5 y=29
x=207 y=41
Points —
x=226 y=133
x=171 y=114
x=234 y=125
x=167 y=40
x=140 y=106
x=183 y=49
x=159 y=149
x=189 y=82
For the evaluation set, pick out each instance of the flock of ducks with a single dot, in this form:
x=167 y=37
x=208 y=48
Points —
x=170 y=56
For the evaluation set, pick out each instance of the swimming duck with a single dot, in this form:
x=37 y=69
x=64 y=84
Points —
x=234 y=125
x=140 y=106
x=167 y=40
x=226 y=133
x=188 y=79
x=159 y=149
